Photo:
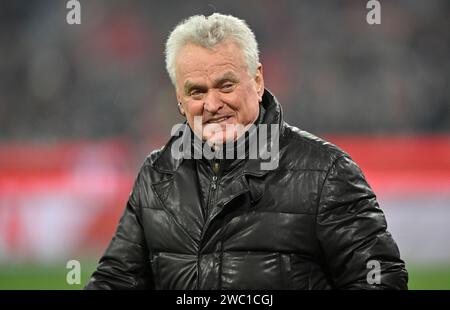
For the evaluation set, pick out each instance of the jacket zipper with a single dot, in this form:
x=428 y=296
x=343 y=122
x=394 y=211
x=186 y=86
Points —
x=211 y=199
x=212 y=190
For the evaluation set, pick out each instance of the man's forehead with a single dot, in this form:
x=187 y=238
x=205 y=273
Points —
x=203 y=76
x=208 y=66
x=224 y=49
x=193 y=60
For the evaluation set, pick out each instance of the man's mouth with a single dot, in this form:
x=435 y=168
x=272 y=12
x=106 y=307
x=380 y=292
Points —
x=218 y=120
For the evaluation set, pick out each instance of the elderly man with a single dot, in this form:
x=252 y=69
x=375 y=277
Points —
x=307 y=220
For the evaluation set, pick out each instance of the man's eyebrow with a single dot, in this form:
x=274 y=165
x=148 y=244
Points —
x=227 y=76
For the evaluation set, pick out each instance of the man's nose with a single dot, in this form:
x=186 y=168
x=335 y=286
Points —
x=212 y=103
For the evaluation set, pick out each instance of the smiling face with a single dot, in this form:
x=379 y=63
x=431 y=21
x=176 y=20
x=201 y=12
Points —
x=215 y=84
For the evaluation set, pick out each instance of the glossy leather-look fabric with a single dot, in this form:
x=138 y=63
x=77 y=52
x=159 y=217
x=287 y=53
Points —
x=311 y=223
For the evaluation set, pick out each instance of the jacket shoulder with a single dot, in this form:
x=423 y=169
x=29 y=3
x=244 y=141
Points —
x=147 y=169
x=304 y=150
x=153 y=156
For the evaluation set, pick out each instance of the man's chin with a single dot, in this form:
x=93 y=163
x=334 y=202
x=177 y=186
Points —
x=220 y=140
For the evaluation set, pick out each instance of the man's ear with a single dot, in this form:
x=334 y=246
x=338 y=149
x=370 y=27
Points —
x=259 y=80
x=181 y=109
x=180 y=105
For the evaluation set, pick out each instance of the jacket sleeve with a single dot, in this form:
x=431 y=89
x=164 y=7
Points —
x=125 y=264
x=358 y=250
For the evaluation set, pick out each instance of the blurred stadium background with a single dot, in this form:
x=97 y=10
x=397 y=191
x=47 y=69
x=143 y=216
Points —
x=82 y=105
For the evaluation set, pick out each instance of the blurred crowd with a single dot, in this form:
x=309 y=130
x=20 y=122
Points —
x=81 y=106
x=332 y=72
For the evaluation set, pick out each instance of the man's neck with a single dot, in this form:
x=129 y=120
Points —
x=222 y=162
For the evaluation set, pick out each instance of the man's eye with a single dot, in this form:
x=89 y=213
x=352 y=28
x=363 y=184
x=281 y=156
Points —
x=228 y=87
x=196 y=94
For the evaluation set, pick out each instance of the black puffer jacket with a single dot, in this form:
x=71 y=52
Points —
x=312 y=223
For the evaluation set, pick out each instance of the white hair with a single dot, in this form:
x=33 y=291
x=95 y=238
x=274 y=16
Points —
x=209 y=31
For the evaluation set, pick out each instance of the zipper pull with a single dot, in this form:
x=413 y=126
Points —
x=216 y=167
x=214 y=183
